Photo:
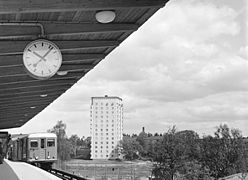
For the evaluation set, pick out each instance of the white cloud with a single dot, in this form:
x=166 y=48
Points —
x=185 y=66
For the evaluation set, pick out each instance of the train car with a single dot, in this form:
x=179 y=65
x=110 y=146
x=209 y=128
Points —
x=39 y=149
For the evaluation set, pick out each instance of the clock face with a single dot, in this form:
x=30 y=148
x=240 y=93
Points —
x=42 y=59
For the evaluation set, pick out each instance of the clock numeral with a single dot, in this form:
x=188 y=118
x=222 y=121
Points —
x=29 y=50
x=42 y=72
x=42 y=44
x=35 y=70
x=35 y=46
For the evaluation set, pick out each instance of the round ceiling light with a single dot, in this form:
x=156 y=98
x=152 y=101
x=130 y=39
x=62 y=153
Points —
x=105 y=16
x=43 y=95
x=62 y=73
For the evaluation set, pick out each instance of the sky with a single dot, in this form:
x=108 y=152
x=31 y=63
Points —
x=186 y=66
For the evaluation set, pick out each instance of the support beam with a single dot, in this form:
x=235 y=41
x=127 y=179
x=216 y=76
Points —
x=38 y=92
x=26 y=78
x=9 y=60
x=27 y=104
x=19 y=85
x=64 y=29
x=27 y=6
x=19 y=46
x=41 y=89
x=19 y=69
x=29 y=96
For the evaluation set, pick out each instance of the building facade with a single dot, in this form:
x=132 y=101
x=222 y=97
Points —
x=106 y=127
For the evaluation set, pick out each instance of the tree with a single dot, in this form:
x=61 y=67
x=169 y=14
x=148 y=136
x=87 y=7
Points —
x=74 y=141
x=174 y=153
x=222 y=154
x=62 y=141
x=130 y=148
x=169 y=155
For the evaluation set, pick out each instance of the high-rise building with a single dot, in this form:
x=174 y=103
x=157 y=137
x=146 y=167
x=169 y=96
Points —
x=106 y=127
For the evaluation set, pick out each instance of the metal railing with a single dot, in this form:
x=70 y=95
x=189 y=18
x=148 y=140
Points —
x=65 y=175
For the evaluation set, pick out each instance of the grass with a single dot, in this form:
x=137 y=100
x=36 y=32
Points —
x=105 y=169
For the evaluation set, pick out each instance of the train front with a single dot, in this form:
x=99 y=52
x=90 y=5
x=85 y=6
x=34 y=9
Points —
x=42 y=149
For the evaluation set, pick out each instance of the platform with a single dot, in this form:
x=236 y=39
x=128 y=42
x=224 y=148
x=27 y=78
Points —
x=22 y=171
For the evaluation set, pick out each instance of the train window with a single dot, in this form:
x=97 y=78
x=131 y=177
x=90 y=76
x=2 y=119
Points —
x=34 y=143
x=50 y=142
x=42 y=143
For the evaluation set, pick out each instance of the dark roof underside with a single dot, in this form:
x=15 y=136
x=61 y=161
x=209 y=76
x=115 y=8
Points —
x=72 y=26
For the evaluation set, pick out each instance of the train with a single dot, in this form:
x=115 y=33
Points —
x=39 y=149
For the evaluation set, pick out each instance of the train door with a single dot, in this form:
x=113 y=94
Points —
x=43 y=148
x=51 y=149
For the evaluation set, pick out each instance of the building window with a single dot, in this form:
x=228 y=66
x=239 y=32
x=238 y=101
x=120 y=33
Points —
x=95 y=147
x=95 y=151
x=112 y=142
x=95 y=142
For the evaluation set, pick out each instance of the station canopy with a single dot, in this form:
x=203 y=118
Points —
x=72 y=26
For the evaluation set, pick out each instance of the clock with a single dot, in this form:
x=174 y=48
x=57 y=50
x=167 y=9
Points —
x=42 y=59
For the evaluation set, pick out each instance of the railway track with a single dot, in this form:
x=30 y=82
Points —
x=64 y=175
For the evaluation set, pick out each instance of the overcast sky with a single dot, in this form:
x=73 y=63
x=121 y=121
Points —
x=186 y=66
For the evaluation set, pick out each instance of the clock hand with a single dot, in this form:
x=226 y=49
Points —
x=41 y=58
x=47 y=54
x=35 y=64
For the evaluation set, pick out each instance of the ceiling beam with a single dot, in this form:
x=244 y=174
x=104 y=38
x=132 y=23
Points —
x=9 y=60
x=32 y=95
x=27 y=104
x=40 y=89
x=27 y=6
x=38 y=83
x=26 y=78
x=38 y=92
x=18 y=46
x=19 y=69
x=29 y=96
x=9 y=32
x=37 y=99
x=21 y=112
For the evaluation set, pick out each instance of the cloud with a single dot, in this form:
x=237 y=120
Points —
x=185 y=66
